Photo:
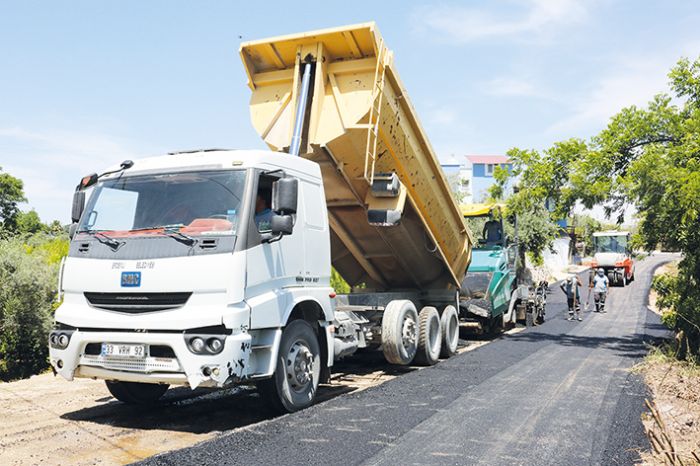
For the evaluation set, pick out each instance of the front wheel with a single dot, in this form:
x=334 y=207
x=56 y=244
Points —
x=136 y=393
x=295 y=380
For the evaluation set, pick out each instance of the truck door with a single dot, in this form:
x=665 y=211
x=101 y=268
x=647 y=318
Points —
x=272 y=267
x=316 y=236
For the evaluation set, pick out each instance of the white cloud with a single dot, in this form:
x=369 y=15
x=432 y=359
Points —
x=50 y=163
x=632 y=82
x=468 y=24
x=442 y=116
x=511 y=87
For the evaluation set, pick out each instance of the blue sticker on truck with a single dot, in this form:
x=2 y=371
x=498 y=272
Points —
x=131 y=279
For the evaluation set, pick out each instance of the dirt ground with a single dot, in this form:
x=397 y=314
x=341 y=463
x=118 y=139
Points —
x=47 y=420
x=675 y=389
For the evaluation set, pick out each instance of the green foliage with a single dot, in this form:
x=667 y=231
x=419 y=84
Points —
x=665 y=286
x=11 y=194
x=28 y=222
x=648 y=157
x=28 y=278
x=338 y=283
x=536 y=232
x=30 y=254
x=585 y=226
x=496 y=192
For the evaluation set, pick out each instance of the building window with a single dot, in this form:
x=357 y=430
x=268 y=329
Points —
x=489 y=169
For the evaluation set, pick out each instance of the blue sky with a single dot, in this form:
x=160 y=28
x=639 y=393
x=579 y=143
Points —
x=84 y=85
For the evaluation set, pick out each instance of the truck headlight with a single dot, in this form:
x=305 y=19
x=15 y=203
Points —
x=197 y=345
x=60 y=339
x=215 y=345
x=205 y=344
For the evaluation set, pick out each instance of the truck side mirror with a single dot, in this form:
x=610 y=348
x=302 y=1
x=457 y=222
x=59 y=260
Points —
x=78 y=206
x=284 y=196
x=282 y=224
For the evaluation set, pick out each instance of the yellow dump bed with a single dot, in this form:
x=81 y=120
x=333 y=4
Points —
x=359 y=125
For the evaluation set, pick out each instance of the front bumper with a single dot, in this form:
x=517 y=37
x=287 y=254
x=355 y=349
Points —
x=230 y=366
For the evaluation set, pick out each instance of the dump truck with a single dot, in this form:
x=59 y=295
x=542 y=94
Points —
x=491 y=297
x=211 y=268
x=612 y=253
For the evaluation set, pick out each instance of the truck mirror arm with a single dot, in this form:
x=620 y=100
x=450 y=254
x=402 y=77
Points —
x=271 y=237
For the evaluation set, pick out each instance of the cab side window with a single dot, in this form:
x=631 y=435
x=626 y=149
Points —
x=263 y=203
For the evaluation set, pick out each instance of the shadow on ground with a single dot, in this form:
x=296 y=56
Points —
x=215 y=410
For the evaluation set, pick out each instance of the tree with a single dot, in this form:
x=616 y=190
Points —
x=29 y=223
x=27 y=290
x=497 y=191
x=11 y=194
x=648 y=157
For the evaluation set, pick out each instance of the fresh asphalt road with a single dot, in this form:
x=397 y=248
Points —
x=560 y=393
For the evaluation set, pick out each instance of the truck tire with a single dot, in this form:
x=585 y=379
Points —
x=136 y=393
x=293 y=384
x=399 y=332
x=449 y=327
x=429 y=337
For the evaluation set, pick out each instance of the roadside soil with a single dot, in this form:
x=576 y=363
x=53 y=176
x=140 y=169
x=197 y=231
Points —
x=47 y=420
x=675 y=391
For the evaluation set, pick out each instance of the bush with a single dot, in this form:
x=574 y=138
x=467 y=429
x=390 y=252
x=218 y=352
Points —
x=28 y=280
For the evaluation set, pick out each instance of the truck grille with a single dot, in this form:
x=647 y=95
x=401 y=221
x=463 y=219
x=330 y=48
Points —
x=135 y=303
x=145 y=365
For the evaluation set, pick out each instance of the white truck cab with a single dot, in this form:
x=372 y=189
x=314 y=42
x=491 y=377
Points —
x=175 y=275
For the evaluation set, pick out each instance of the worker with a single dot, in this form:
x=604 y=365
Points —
x=600 y=290
x=573 y=297
x=263 y=213
x=493 y=231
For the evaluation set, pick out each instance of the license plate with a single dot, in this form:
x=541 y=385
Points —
x=123 y=350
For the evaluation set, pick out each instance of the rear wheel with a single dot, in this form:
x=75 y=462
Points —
x=400 y=332
x=449 y=326
x=136 y=393
x=429 y=337
x=295 y=380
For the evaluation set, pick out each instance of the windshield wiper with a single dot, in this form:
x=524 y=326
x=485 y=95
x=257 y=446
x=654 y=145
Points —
x=179 y=236
x=172 y=231
x=105 y=239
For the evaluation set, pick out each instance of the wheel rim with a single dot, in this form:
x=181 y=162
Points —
x=408 y=334
x=299 y=366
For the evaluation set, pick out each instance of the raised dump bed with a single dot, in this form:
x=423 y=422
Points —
x=395 y=224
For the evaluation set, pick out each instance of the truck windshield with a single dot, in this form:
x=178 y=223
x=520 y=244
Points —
x=610 y=244
x=192 y=203
x=476 y=284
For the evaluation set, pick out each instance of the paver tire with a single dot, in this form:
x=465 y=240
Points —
x=136 y=393
x=400 y=332
x=529 y=319
x=429 y=337
x=449 y=327
x=294 y=383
